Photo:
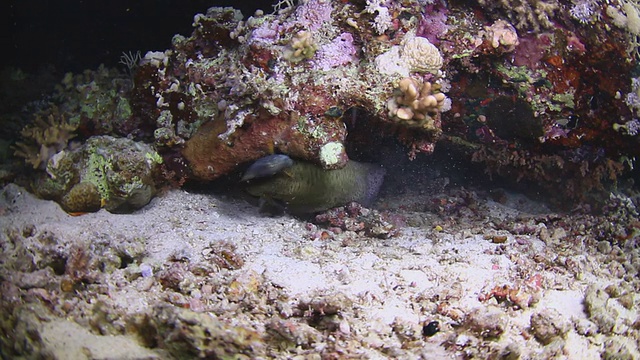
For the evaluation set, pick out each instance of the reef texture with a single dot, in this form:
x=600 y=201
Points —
x=44 y=138
x=540 y=93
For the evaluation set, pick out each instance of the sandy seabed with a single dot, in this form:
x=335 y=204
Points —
x=468 y=275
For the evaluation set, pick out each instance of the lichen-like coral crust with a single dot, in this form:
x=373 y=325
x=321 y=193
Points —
x=117 y=174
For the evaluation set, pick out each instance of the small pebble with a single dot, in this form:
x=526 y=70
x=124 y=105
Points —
x=585 y=327
x=488 y=322
x=146 y=270
x=604 y=247
x=549 y=325
x=344 y=327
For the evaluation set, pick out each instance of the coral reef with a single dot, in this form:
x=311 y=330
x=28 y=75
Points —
x=538 y=108
x=97 y=102
x=537 y=93
x=258 y=100
x=270 y=81
x=64 y=130
x=525 y=15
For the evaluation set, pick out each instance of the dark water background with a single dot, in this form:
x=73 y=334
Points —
x=77 y=35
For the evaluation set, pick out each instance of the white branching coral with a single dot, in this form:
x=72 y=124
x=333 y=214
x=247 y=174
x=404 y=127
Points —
x=382 y=21
x=417 y=104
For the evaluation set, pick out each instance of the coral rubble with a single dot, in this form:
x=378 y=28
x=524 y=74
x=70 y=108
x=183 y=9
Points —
x=487 y=275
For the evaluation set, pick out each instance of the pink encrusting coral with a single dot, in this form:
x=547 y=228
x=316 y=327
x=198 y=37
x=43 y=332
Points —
x=531 y=49
x=311 y=15
x=267 y=33
x=338 y=52
x=433 y=24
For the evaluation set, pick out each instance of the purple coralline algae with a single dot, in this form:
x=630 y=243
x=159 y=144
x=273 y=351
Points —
x=338 y=52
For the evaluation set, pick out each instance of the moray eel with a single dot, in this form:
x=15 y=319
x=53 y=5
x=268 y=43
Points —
x=304 y=187
x=267 y=166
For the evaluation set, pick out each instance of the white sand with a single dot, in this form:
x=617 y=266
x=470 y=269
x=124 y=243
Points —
x=405 y=281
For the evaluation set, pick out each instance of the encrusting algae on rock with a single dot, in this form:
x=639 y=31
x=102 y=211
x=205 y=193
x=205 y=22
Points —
x=105 y=172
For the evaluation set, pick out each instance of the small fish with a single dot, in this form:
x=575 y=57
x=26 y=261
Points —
x=307 y=188
x=267 y=166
